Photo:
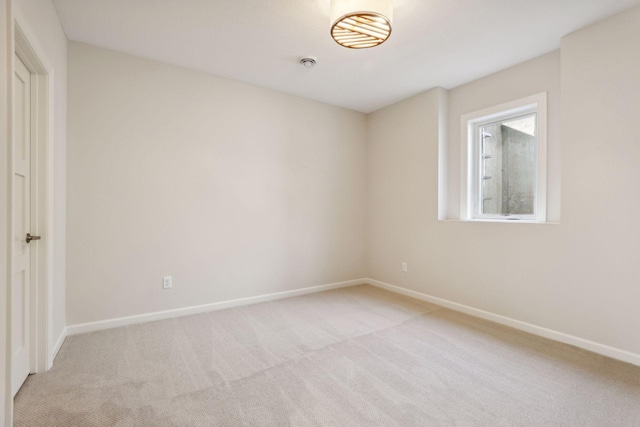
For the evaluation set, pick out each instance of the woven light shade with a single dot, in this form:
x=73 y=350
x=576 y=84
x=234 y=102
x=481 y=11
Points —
x=360 y=24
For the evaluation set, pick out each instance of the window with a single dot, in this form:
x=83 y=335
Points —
x=506 y=162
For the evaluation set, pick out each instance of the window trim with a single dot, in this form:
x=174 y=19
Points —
x=468 y=171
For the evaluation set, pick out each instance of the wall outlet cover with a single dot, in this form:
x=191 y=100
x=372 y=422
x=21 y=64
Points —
x=167 y=282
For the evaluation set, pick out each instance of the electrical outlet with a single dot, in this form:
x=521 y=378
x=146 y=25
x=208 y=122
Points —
x=404 y=267
x=167 y=282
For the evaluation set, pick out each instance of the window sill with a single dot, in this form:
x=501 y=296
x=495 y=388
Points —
x=511 y=221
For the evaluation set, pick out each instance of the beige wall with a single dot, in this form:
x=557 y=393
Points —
x=601 y=179
x=233 y=190
x=402 y=187
x=578 y=277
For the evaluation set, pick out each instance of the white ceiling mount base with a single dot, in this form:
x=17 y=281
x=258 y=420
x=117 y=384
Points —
x=340 y=8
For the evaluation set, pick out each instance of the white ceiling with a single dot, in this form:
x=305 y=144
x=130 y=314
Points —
x=434 y=42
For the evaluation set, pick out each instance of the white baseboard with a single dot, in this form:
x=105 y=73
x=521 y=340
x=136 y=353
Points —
x=595 y=347
x=186 y=311
x=56 y=348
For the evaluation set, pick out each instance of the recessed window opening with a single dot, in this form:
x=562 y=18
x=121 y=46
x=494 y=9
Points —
x=506 y=152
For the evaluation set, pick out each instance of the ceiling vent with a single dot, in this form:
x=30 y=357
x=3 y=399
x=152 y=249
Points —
x=308 y=61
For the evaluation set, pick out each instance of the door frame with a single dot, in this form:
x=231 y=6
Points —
x=41 y=351
x=20 y=39
x=6 y=56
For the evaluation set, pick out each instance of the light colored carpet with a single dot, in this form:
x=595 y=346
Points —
x=358 y=356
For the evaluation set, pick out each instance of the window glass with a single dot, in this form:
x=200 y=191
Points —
x=507 y=166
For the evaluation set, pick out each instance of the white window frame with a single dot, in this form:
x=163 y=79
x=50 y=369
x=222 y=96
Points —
x=470 y=164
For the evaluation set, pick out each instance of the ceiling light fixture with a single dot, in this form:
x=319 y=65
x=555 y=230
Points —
x=359 y=24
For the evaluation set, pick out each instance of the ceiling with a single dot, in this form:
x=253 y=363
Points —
x=434 y=42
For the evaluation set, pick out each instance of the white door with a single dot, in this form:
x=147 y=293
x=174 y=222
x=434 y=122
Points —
x=21 y=207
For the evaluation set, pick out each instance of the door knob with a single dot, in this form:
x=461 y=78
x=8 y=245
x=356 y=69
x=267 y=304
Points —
x=30 y=237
